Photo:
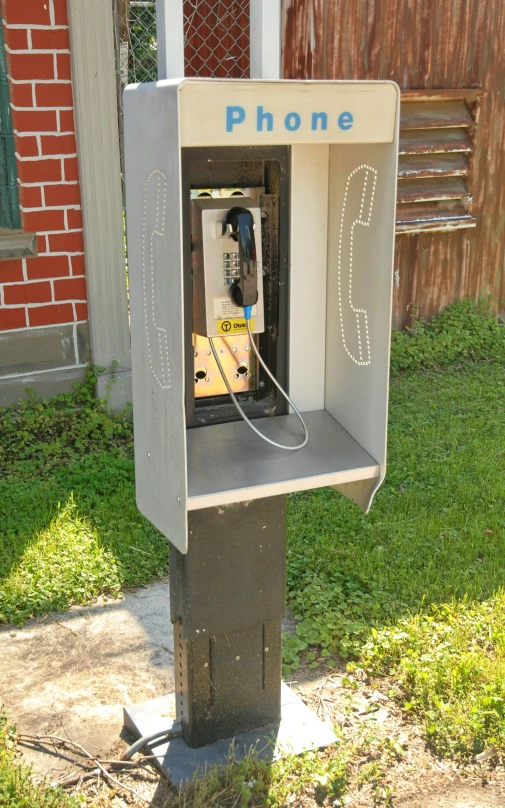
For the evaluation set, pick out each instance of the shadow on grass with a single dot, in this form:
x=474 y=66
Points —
x=72 y=535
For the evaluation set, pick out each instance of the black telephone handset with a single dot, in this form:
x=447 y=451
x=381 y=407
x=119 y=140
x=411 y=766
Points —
x=245 y=289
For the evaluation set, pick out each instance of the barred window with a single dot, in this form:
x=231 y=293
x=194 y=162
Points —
x=10 y=217
x=14 y=241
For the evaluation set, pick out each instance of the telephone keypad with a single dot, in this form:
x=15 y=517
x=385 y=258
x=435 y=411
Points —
x=230 y=268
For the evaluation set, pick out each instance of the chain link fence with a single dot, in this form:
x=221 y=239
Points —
x=216 y=42
x=216 y=38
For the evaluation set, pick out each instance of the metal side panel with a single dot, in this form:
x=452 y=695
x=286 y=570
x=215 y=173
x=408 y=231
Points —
x=154 y=228
x=362 y=204
x=307 y=286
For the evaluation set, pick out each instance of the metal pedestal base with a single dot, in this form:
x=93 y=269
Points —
x=299 y=731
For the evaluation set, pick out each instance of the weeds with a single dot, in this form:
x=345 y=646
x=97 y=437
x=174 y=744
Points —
x=17 y=789
x=252 y=782
x=465 y=330
x=450 y=663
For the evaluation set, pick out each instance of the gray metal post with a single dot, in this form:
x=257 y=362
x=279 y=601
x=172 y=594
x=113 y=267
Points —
x=170 y=38
x=265 y=39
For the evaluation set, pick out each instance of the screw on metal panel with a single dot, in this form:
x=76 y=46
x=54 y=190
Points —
x=196 y=353
x=262 y=384
x=207 y=379
x=208 y=353
x=206 y=665
x=248 y=347
x=234 y=350
x=237 y=658
x=235 y=375
x=149 y=454
x=178 y=499
x=248 y=375
x=267 y=649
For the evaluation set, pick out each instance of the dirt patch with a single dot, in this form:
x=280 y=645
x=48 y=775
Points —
x=459 y=796
x=389 y=761
x=71 y=674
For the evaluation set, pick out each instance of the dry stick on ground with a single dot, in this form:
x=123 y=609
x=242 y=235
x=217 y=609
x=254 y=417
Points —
x=73 y=778
x=119 y=764
x=58 y=741
x=109 y=776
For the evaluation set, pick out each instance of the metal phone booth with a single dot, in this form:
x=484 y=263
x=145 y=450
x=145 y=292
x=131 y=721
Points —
x=260 y=220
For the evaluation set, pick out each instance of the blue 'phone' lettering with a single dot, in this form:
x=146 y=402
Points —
x=234 y=115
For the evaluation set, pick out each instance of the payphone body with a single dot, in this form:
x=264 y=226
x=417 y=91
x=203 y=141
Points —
x=215 y=264
x=338 y=144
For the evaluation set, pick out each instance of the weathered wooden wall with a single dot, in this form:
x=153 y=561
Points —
x=423 y=44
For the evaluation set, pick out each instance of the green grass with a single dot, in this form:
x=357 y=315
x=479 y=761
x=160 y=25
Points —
x=450 y=663
x=432 y=549
x=465 y=330
x=406 y=589
x=17 y=789
x=69 y=526
x=436 y=528
x=73 y=535
x=253 y=782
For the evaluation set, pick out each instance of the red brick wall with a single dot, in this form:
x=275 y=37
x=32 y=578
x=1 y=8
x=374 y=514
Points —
x=51 y=288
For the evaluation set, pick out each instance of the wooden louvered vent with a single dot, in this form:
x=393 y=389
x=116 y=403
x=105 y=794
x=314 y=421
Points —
x=436 y=143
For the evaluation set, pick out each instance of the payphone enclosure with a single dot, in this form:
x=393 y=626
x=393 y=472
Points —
x=319 y=161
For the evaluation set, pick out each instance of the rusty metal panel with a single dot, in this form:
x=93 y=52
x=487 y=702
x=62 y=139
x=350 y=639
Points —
x=425 y=190
x=429 y=45
x=435 y=141
x=435 y=115
x=421 y=165
x=414 y=218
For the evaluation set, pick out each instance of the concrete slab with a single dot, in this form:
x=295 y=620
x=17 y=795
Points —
x=300 y=730
x=72 y=674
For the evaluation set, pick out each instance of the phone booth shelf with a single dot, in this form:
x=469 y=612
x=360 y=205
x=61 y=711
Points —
x=218 y=492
